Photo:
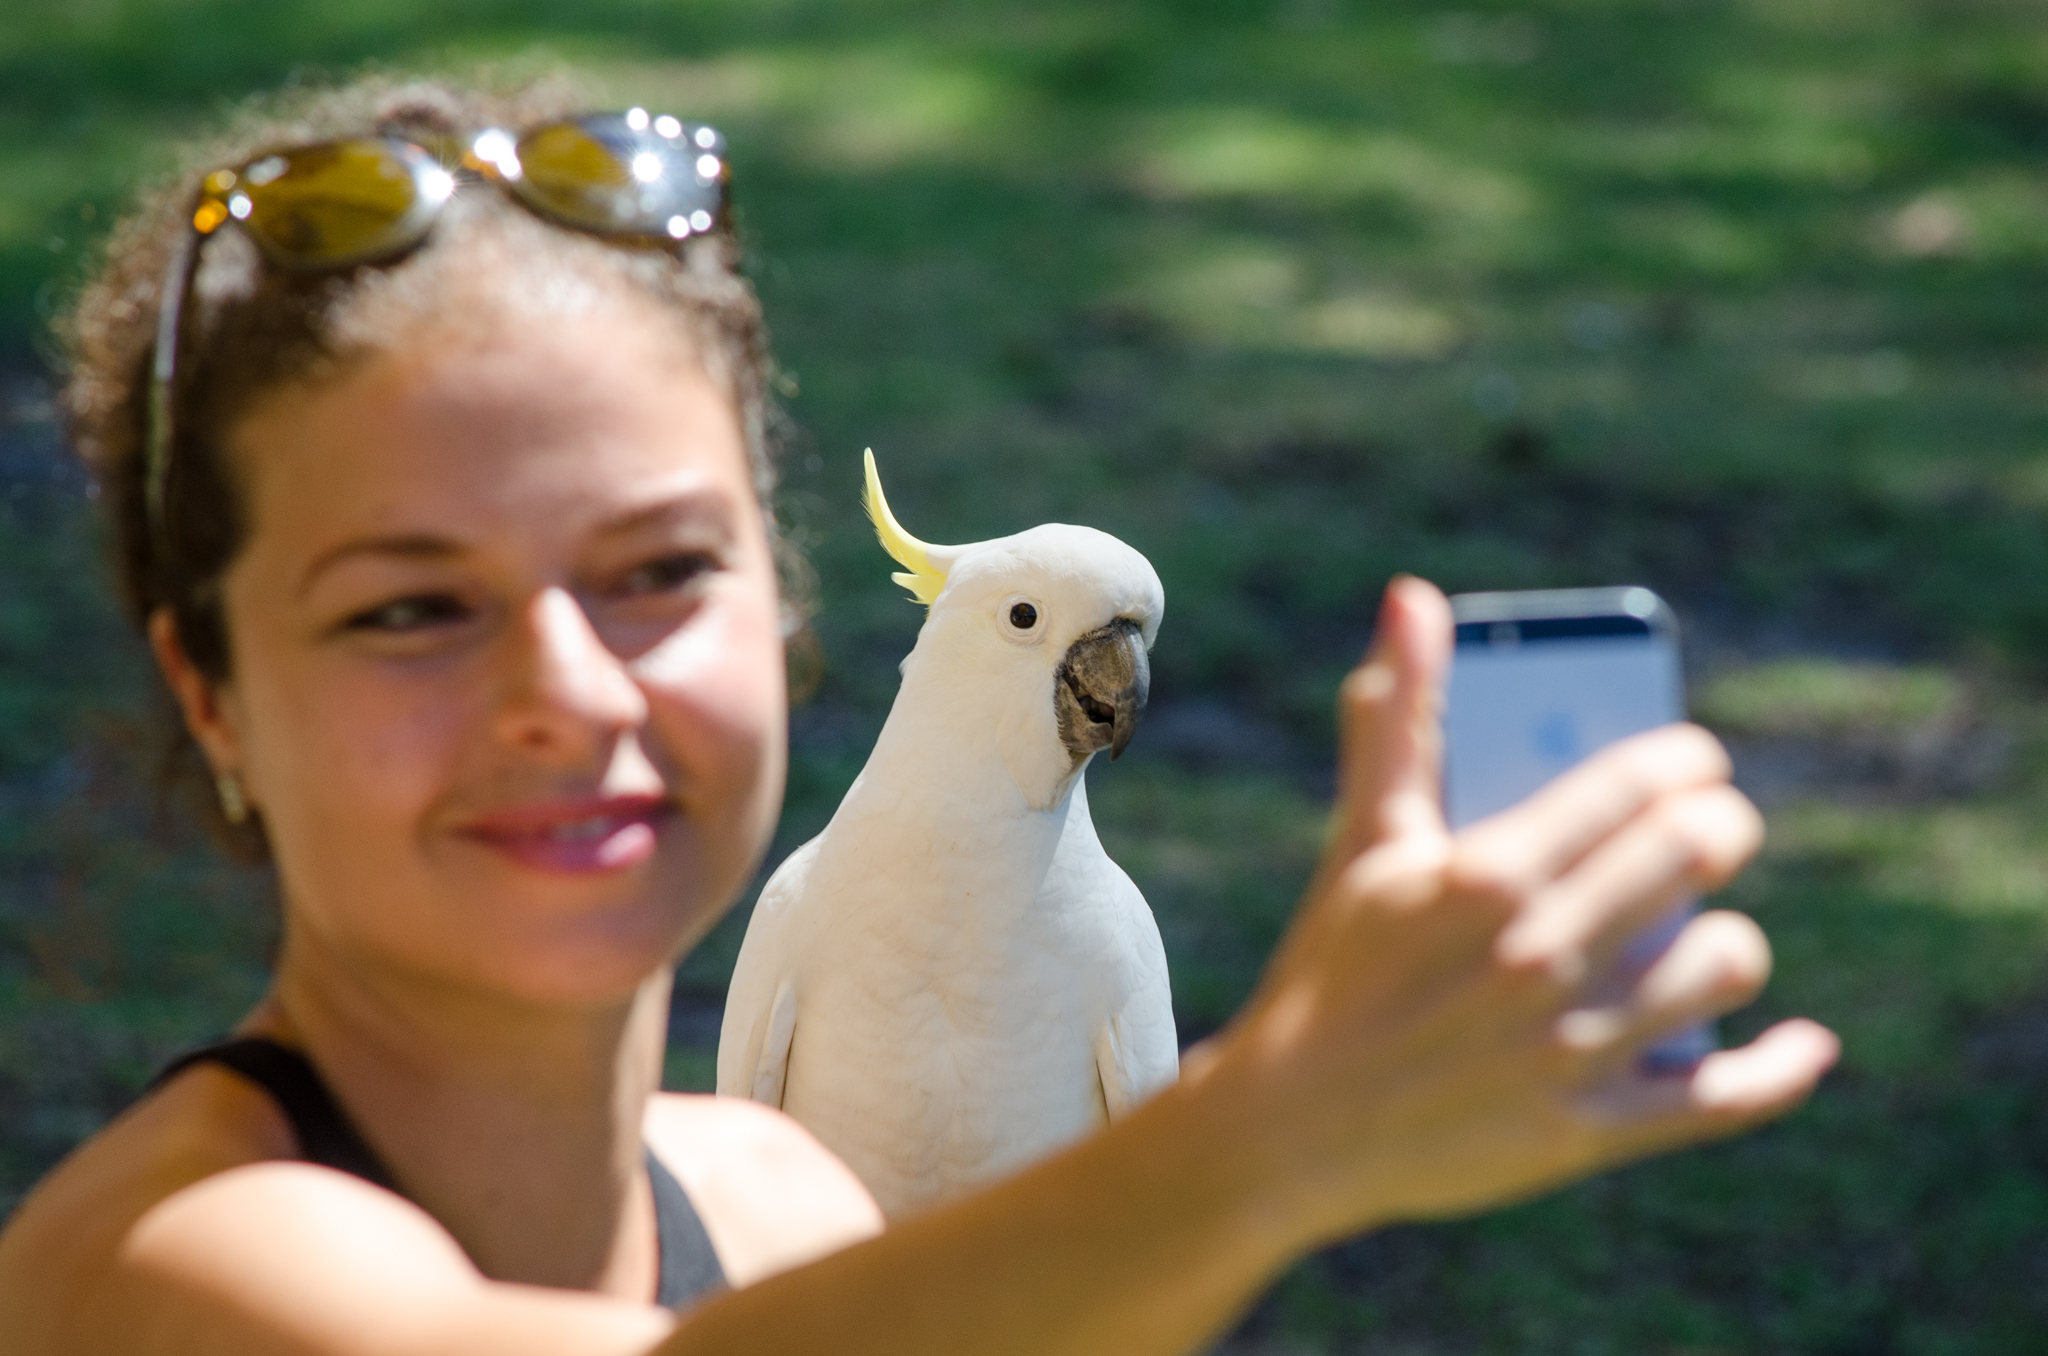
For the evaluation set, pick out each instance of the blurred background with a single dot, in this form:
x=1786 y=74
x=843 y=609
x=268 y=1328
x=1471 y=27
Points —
x=1740 y=299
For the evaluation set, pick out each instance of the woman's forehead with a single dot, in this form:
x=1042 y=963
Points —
x=473 y=428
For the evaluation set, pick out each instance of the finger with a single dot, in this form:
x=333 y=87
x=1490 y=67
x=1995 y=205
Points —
x=1389 y=711
x=1728 y=1091
x=1523 y=848
x=1717 y=963
x=1687 y=843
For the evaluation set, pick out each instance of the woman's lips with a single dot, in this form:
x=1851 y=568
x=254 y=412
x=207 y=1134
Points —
x=575 y=836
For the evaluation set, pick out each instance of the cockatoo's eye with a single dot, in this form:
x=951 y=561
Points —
x=1021 y=620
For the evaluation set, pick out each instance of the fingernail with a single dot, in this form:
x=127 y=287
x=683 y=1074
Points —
x=1374 y=680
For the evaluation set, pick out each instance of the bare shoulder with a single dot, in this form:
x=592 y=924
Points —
x=771 y=1196
x=58 y=1253
x=188 y=1226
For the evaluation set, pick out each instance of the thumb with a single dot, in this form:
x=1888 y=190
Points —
x=1390 y=773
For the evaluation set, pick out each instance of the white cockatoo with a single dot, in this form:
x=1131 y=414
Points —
x=953 y=978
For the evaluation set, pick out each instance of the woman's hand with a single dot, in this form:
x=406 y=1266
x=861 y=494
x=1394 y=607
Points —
x=1429 y=1040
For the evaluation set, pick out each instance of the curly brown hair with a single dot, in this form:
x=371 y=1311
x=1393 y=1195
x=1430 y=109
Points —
x=248 y=329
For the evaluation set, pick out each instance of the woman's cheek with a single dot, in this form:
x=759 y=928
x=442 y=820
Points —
x=363 y=746
x=718 y=690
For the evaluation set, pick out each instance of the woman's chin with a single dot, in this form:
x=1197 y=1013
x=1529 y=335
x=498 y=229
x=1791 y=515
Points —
x=582 y=926
x=612 y=944
x=574 y=943
x=580 y=964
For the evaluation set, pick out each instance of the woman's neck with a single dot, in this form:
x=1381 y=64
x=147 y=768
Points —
x=461 y=1093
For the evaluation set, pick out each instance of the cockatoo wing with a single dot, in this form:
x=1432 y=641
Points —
x=1137 y=1051
x=760 y=1007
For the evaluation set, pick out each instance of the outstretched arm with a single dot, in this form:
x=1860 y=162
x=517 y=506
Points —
x=1424 y=1044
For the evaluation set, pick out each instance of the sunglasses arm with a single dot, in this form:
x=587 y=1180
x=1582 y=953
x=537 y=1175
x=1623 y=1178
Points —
x=156 y=437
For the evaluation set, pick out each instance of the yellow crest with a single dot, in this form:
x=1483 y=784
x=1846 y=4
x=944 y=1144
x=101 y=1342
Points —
x=923 y=578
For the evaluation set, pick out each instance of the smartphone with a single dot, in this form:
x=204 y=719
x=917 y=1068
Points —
x=1539 y=681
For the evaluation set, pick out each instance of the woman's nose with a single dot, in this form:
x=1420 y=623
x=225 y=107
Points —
x=564 y=690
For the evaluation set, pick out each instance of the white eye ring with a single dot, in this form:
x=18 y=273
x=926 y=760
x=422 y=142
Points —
x=1021 y=619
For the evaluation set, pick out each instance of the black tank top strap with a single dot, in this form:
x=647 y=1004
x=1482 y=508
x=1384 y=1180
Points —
x=325 y=1133
x=689 y=1266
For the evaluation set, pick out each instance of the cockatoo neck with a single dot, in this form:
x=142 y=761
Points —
x=977 y=731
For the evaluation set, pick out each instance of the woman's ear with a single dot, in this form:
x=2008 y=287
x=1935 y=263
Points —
x=199 y=697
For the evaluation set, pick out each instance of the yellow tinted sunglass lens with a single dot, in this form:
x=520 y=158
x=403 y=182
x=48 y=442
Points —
x=572 y=174
x=623 y=174
x=339 y=203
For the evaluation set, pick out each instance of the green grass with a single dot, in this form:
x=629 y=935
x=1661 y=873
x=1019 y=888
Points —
x=1737 y=298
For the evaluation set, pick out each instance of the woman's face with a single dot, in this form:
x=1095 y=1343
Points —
x=508 y=685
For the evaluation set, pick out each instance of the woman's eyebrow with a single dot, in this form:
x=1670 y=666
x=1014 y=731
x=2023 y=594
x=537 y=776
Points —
x=416 y=546
x=704 y=506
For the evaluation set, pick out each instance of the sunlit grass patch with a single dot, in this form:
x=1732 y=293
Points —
x=1253 y=296
x=917 y=105
x=2000 y=217
x=1893 y=924
x=1820 y=698
x=1216 y=152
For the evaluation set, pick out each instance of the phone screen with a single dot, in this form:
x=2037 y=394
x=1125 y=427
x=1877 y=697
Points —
x=1540 y=681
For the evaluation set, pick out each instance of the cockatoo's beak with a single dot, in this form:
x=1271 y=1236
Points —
x=1101 y=689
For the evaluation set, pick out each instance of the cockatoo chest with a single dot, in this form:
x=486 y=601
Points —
x=950 y=1003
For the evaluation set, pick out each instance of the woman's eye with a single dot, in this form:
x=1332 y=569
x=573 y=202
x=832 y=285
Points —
x=667 y=574
x=415 y=613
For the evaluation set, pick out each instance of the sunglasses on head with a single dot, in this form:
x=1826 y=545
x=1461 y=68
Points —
x=640 y=179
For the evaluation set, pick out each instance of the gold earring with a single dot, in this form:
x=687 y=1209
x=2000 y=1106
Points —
x=233 y=803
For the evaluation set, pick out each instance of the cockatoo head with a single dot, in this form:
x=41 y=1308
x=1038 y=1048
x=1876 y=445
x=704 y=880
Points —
x=1041 y=636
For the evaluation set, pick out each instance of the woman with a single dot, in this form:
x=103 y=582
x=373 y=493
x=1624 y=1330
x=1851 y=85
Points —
x=446 y=524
